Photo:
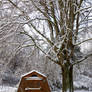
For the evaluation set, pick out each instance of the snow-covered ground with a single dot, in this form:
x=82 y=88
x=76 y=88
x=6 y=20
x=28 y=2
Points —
x=7 y=89
x=82 y=91
x=12 y=89
x=76 y=91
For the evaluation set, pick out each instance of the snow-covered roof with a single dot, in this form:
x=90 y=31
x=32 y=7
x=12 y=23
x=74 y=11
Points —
x=32 y=72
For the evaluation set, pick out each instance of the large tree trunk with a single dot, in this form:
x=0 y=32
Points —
x=67 y=79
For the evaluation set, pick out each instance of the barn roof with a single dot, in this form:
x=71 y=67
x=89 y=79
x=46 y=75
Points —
x=32 y=72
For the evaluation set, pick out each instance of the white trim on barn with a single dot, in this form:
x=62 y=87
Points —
x=33 y=88
x=33 y=78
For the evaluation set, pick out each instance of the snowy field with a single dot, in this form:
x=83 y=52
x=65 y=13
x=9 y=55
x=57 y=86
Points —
x=11 y=89
x=7 y=89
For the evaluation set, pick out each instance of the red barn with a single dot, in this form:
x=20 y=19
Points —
x=33 y=82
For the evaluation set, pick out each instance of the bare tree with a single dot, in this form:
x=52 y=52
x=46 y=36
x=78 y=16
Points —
x=10 y=39
x=57 y=26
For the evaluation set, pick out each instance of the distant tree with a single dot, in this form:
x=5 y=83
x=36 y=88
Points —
x=10 y=39
x=58 y=26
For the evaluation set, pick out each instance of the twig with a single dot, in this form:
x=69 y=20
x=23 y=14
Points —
x=83 y=9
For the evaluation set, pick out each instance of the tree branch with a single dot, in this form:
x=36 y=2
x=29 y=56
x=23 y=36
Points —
x=47 y=15
x=35 y=44
x=81 y=60
x=39 y=9
x=83 y=41
x=54 y=18
x=15 y=6
x=82 y=9
x=49 y=41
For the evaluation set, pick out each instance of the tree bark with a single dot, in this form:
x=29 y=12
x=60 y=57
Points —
x=67 y=79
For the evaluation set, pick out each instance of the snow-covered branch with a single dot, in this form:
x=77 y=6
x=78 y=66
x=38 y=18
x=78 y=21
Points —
x=44 y=13
x=83 y=41
x=81 y=60
x=83 y=9
x=15 y=6
x=39 y=47
x=47 y=39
